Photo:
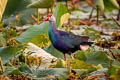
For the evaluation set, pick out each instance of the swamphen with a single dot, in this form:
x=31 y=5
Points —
x=65 y=42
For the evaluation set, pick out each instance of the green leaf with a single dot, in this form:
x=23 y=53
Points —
x=59 y=11
x=79 y=64
x=24 y=18
x=42 y=28
x=11 y=70
x=17 y=13
x=14 y=6
x=93 y=57
x=2 y=41
x=61 y=73
x=92 y=33
x=38 y=74
x=110 y=5
x=41 y=4
x=114 y=72
x=32 y=32
x=100 y=5
x=7 y=53
x=50 y=49
x=60 y=63
x=21 y=70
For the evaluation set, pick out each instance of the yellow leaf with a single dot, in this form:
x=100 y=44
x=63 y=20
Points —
x=60 y=63
x=100 y=4
x=64 y=18
x=114 y=2
x=2 y=7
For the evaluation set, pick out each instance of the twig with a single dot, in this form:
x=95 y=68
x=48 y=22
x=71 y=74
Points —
x=118 y=15
x=94 y=76
x=1 y=65
x=24 y=77
x=116 y=21
x=112 y=54
x=33 y=17
x=91 y=13
x=66 y=3
x=97 y=14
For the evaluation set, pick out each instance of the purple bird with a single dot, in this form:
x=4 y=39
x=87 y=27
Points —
x=65 y=42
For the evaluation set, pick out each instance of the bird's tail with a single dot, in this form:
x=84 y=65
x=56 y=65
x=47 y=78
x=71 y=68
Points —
x=87 y=43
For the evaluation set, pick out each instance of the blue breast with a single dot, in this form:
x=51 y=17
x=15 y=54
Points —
x=56 y=40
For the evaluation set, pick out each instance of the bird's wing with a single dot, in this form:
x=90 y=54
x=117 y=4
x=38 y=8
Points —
x=72 y=40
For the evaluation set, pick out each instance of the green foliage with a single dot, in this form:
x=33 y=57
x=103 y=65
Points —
x=17 y=14
x=114 y=72
x=50 y=49
x=41 y=41
x=86 y=63
x=79 y=64
x=92 y=33
x=95 y=58
x=42 y=28
x=7 y=53
x=111 y=4
x=14 y=6
x=100 y=5
x=2 y=41
x=41 y=4
x=61 y=73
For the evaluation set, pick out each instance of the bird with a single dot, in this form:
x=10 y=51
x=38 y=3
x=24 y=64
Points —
x=65 y=42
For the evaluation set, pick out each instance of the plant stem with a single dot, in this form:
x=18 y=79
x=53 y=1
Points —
x=47 y=11
x=112 y=54
x=97 y=14
x=66 y=4
x=116 y=21
x=1 y=65
x=38 y=21
x=91 y=13
x=118 y=15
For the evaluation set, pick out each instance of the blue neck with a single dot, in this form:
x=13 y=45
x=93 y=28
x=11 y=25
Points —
x=52 y=26
x=52 y=30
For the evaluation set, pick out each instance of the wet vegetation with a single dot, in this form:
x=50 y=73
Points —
x=21 y=23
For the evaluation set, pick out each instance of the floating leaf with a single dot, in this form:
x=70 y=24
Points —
x=93 y=57
x=79 y=64
x=7 y=53
x=50 y=49
x=61 y=73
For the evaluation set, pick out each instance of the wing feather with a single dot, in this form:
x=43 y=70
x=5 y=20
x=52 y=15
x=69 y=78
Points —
x=72 y=40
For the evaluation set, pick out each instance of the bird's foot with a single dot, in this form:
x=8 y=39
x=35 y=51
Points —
x=71 y=56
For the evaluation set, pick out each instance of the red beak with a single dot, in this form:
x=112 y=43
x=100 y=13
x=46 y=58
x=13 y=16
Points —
x=46 y=19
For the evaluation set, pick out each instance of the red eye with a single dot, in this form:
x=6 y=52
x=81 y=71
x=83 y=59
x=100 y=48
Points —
x=49 y=15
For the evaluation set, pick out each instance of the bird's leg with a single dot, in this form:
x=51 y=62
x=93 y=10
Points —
x=71 y=56
x=65 y=57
